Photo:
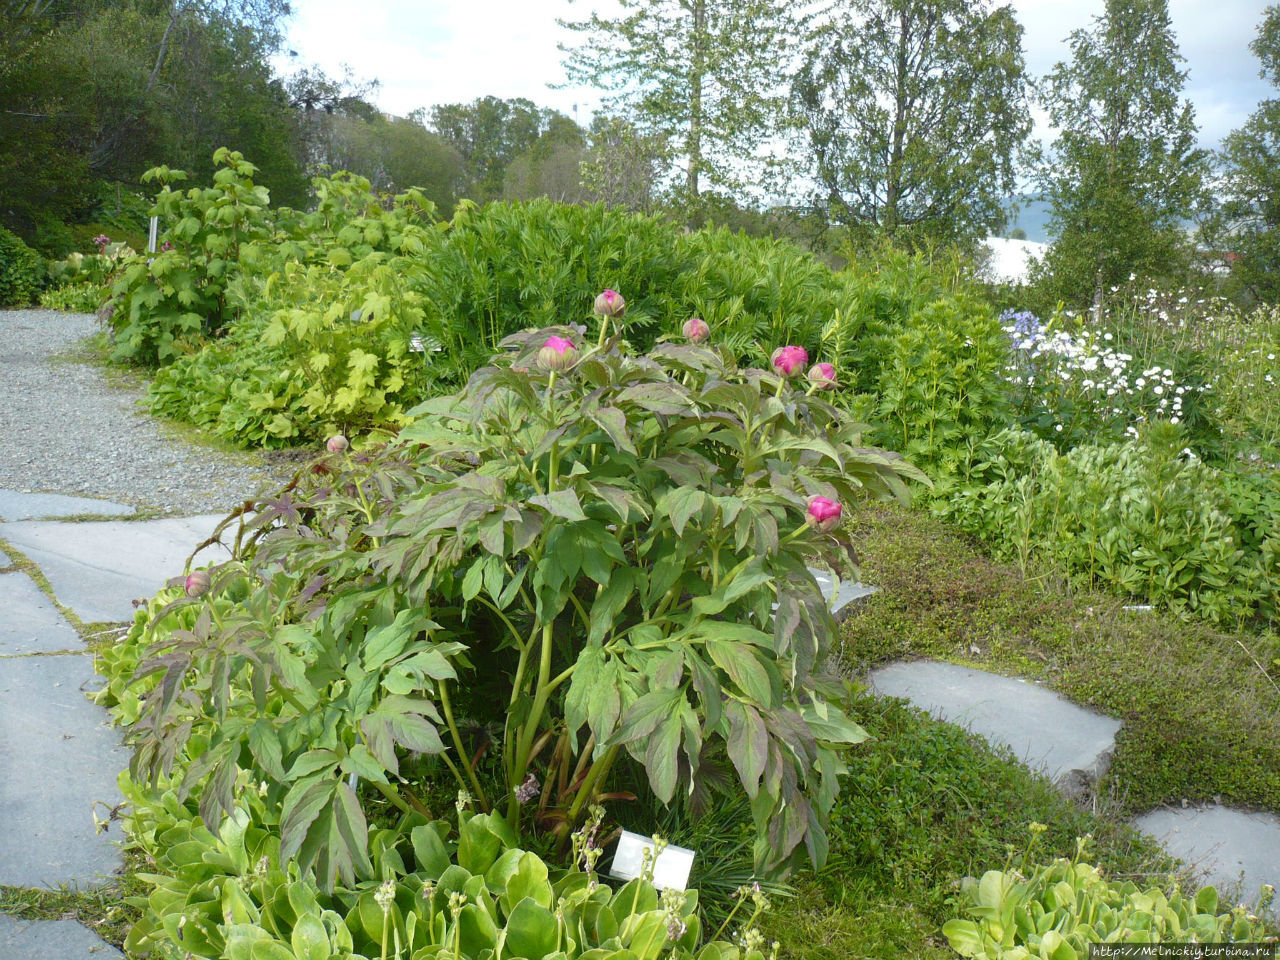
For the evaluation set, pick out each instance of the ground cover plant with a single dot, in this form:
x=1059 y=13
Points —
x=592 y=539
x=1066 y=905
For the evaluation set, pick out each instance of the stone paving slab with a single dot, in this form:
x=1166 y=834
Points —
x=4 y=559
x=841 y=600
x=97 y=569
x=51 y=940
x=1231 y=846
x=58 y=756
x=1071 y=744
x=29 y=622
x=47 y=506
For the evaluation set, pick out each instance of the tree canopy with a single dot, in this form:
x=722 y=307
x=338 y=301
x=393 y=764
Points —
x=1125 y=170
x=913 y=111
x=1247 y=224
x=706 y=77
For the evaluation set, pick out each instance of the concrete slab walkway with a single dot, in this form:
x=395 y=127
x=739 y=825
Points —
x=98 y=569
x=31 y=623
x=60 y=758
x=1073 y=746
x=15 y=505
x=1232 y=847
x=51 y=940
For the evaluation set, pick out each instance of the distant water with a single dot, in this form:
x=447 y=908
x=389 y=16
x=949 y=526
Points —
x=1031 y=216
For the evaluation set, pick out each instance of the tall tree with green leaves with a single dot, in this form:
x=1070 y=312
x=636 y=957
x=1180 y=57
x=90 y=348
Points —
x=1247 y=222
x=707 y=77
x=913 y=111
x=1125 y=170
x=490 y=132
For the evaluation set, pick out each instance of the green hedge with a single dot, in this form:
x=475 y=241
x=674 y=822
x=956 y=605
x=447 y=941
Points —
x=21 y=271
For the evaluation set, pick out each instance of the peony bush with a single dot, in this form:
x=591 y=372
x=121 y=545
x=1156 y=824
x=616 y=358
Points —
x=586 y=567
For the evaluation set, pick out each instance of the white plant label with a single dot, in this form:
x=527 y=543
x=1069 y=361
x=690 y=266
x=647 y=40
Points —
x=671 y=872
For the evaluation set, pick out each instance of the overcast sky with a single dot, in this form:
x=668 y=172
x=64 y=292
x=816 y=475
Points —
x=425 y=52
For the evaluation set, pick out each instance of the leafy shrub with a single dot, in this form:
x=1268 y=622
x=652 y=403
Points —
x=74 y=298
x=180 y=291
x=21 y=271
x=340 y=294
x=1063 y=906
x=600 y=546
x=1135 y=517
x=939 y=390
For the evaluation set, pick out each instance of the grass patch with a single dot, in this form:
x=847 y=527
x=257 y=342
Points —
x=103 y=909
x=1200 y=706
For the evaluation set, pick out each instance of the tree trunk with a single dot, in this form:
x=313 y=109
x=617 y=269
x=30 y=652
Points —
x=697 y=68
x=893 y=182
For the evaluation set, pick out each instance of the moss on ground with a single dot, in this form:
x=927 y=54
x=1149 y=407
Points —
x=926 y=804
x=1201 y=711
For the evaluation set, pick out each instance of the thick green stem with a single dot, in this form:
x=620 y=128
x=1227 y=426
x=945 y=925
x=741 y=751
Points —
x=457 y=742
x=595 y=776
x=413 y=805
x=530 y=729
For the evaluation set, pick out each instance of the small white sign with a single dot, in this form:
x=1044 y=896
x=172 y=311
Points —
x=151 y=234
x=416 y=345
x=671 y=872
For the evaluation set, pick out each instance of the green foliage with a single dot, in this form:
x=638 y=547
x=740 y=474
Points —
x=1063 y=906
x=92 y=92
x=490 y=133
x=80 y=282
x=362 y=278
x=179 y=293
x=1074 y=382
x=74 y=298
x=21 y=271
x=1137 y=517
x=939 y=390
x=1125 y=168
x=605 y=546
x=913 y=113
x=462 y=893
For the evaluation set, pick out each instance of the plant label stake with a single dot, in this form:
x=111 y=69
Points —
x=670 y=870
x=151 y=235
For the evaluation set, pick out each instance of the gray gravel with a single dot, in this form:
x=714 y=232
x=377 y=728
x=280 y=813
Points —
x=64 y=428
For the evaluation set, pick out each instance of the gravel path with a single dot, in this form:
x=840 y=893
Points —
x=65 y=429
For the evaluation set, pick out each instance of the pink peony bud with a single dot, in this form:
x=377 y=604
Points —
x=557 y=354
x=822 y=375
x=824 y=513
x=337 y=443
x=789 y=360
x=696 y=329
x=197 y=583
x=610 y=304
